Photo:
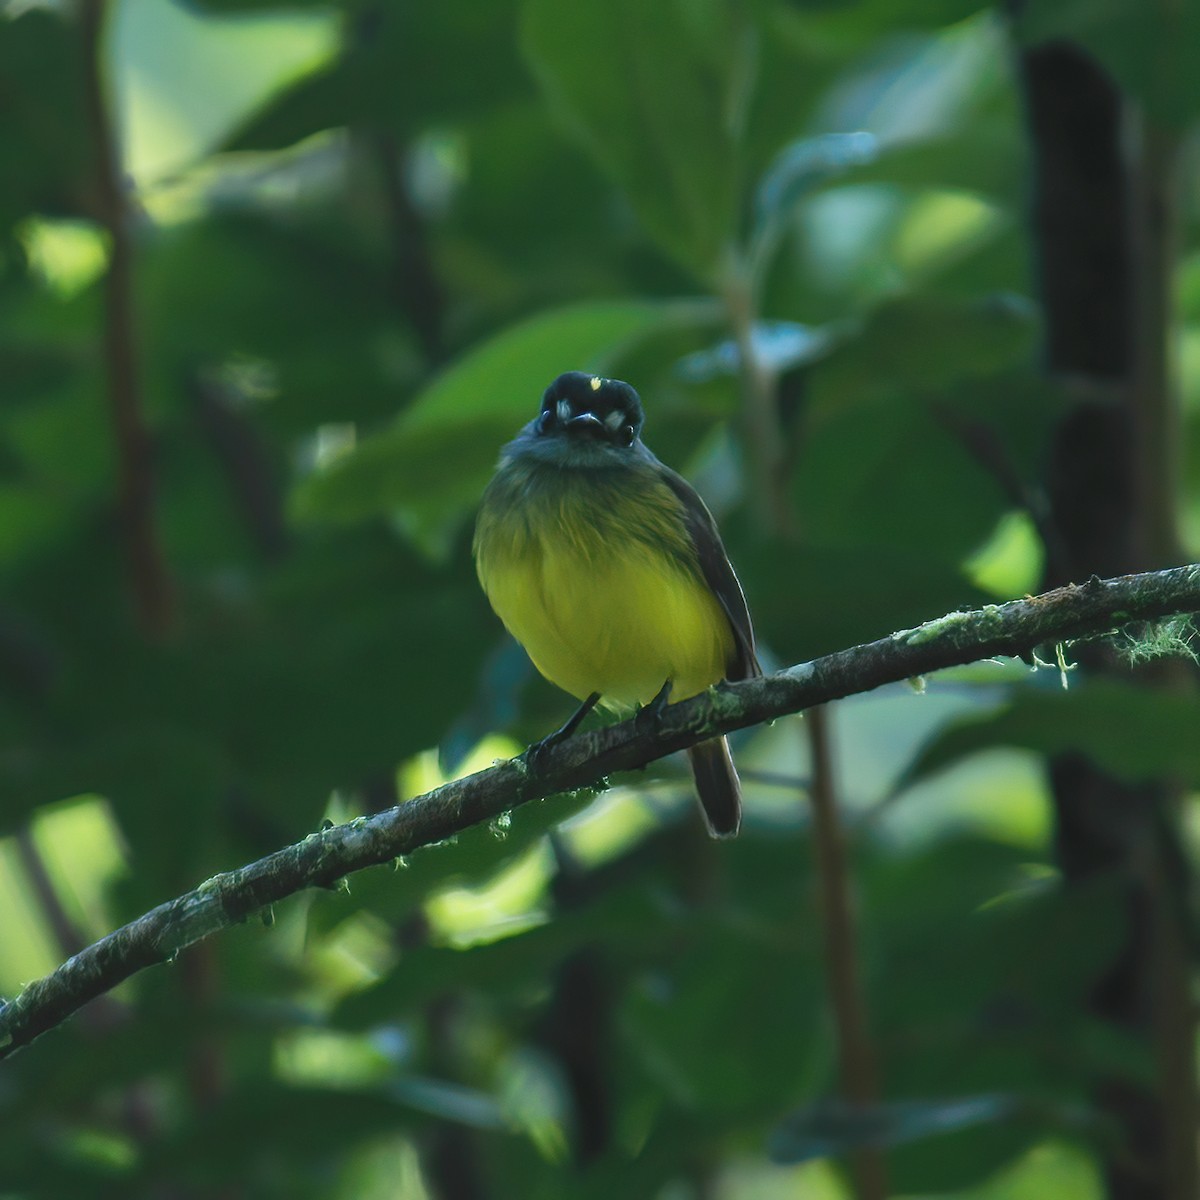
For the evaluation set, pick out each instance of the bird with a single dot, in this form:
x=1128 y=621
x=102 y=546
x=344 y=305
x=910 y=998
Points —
x=607 y=567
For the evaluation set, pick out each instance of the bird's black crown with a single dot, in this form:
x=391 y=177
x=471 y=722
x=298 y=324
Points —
x=611 y=401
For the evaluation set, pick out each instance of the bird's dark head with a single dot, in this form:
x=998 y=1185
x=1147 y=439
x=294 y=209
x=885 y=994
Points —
x=585 y=420
x=579 y=405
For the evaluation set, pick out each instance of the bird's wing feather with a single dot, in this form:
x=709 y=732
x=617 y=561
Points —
x=718 y=574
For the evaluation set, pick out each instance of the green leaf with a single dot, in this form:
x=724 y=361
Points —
x=893 y=353
x=984 y=157
x=631 y=922
x=306 y=1128
x=406 y=68
x=434 y=462
x=657 y=94
x=509 y=372
x=804 y=166
x=353 y=655
x=473 y=858
x=31 y=370
x=891 y=477
x=777 y=346
x=291 y=301
x=45 y=155
x=835 y=1128
x=974 y=949
x=1136 y=733
x=698 y=1042
x=982 y=945
x=908 y=448
x=257 y=6
x=812 y=600
x=866 y=23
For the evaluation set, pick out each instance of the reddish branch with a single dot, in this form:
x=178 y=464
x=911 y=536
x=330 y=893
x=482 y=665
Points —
x=135 y=473
x=856 y=1053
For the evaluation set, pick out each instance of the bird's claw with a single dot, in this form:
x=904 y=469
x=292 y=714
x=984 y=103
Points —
x=535 y=753
x=646 y=719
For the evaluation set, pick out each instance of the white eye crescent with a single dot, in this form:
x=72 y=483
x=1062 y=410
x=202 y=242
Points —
x=615 y=419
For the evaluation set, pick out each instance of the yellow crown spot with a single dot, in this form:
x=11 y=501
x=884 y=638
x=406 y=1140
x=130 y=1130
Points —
x=597 y=383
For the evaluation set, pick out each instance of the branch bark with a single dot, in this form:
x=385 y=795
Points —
x=321 y=859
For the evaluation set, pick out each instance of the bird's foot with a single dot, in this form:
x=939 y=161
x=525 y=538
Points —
x=646 y=719
x=534 y=754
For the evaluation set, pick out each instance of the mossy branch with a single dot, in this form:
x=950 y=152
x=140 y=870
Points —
x=321 y=859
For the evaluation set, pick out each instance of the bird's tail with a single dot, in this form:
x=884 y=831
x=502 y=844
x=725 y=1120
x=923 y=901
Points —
x=717 y=786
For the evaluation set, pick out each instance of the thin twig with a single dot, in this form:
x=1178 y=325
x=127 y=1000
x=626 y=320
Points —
x=987 y=448
x=760 y=410
x=839 y=930
x=414 y=280
x=243 y=456
x=583 y=761
x=856 y=1052
x=135 y=473
x=66 y=933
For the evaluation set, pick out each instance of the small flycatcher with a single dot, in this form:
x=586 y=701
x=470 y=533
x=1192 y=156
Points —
x=608 y=568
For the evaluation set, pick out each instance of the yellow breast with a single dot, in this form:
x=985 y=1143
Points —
x=598 y=588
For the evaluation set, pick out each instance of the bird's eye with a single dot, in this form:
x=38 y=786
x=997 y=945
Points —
x=627 y=435
x=544 y=422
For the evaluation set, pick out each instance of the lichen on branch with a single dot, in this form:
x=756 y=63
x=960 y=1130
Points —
x=321 y=859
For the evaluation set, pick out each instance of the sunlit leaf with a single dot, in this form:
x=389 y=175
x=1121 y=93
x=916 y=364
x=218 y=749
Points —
x=403 y=68
x=777 y=346
x=435 y=461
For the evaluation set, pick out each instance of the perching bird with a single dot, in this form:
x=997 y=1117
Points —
x=608 y=568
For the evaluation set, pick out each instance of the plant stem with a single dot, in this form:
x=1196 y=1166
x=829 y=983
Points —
x=856 y=1054
x=135 y=474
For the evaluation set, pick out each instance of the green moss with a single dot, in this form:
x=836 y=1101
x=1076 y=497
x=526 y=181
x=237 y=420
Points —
x=1172 y=637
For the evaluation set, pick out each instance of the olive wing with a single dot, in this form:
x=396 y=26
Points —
x=718 y=574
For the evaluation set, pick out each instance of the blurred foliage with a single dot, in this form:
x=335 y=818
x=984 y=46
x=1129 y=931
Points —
x=366 y=237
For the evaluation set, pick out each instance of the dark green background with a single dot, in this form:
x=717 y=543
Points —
x=366 y=236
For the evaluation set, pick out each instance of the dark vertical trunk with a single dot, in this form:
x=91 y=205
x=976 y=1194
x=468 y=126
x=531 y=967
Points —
x=1097 y=295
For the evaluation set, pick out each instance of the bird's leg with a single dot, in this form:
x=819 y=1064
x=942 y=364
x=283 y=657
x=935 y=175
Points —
x=647 y=717
x=564 y=731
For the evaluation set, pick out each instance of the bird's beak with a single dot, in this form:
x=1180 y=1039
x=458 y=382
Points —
x=586 y=423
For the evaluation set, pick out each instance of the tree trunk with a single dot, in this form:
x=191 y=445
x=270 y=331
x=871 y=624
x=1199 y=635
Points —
x=1101 y=228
